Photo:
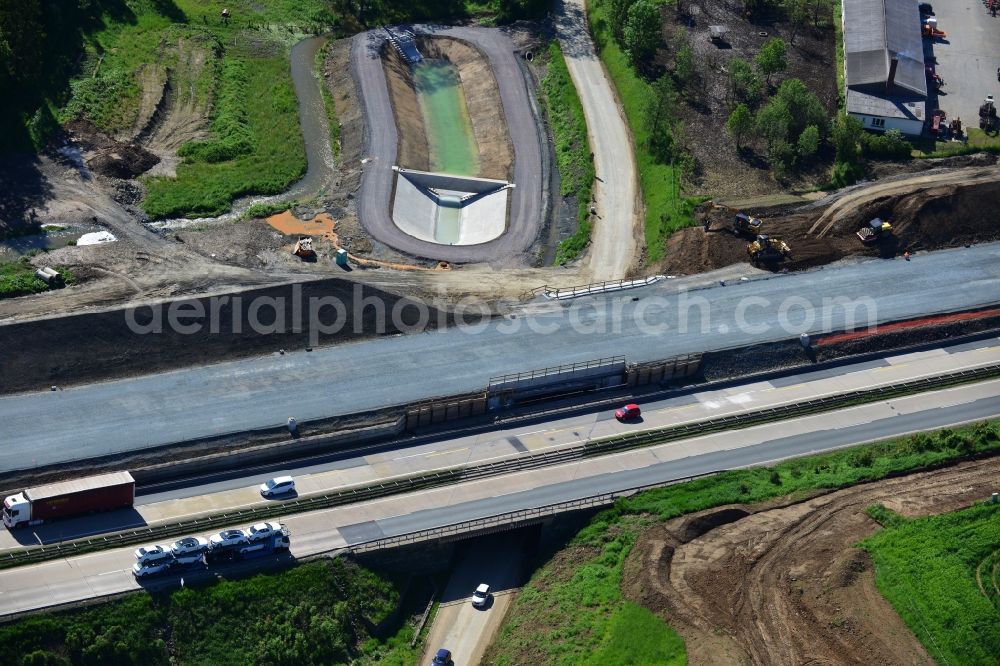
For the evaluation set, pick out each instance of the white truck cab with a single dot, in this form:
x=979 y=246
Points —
x=16 y=510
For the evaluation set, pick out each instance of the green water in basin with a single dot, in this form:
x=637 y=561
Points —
x=446 y=118
x=449 y=219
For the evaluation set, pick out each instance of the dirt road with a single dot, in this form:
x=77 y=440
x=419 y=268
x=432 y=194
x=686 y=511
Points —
x=617 y=232
x=783 y=583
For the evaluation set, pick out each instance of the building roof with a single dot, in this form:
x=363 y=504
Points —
x=876 y=32
x=79 y=485
x=895 y=106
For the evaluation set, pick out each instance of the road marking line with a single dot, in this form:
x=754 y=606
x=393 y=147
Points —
x=444 y=453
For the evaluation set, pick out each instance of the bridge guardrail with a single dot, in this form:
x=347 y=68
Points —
x=436 y=478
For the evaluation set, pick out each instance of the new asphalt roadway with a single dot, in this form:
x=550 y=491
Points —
x=656 y=322
x=107 y=572
x=381 y=138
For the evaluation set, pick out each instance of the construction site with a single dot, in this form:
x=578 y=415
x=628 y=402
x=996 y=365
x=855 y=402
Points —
x=431 y=192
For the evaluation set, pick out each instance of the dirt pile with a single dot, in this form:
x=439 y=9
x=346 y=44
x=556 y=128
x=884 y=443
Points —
x=107 y=156
x=783 y=583
x=928 y=212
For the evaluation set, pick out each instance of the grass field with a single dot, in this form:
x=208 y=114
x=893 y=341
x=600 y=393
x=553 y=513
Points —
x=321 y=613
x=666 y=208
x=927 y=569
x=573 y=609
x=576 y=166
x=328 y=104
x=272 y=157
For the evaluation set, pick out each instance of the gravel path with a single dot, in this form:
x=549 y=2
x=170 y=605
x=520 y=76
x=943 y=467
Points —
x=616 y=232
x=382 y=138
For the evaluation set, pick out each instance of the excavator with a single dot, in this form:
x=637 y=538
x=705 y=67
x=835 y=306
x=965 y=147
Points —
x=768 y=250
x=747 y=225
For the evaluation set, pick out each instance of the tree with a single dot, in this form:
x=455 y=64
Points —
x=797 y=13
x=740 y=124
x=820 y=8
x=745 y=84
x=846 y=134
x=659 y=120
x=803 y=106
x=773 y=122
x=642 y=30
x=684 y=65
x=618 y=17
x=808 y=142
x=773 y=58
x=22 y=38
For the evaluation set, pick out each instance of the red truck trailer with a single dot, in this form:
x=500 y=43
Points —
x=69 y=498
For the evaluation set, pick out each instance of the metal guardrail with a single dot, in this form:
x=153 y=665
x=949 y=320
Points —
x=514 y=518
x=607 y=286
x=438 y=478
x=552 y=371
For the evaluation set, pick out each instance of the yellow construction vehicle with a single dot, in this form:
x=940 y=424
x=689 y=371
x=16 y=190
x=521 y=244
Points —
x=874 y=231
x=747 y=225
x=768 y=250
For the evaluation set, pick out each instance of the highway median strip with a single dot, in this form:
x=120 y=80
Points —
x=444 y=477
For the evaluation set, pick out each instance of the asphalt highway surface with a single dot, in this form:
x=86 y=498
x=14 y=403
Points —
x=381 y=137
x=644 y=324
x=107 y=572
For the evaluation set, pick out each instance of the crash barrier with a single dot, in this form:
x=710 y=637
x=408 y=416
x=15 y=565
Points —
x=523 y=462
x=511 y=520
x=264 y=453
x=563 y=293
x=505 y=390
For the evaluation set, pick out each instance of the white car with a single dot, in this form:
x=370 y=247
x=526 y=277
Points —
x=263 y=530
x=151 y=554
x=280 y=485
x=140 y=569
x=480 y=596
x=189 y=546
x=229 y=538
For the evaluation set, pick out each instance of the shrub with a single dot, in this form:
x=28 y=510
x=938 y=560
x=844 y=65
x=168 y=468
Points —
x=774 y=477
x=642 y=30
x=890 y=145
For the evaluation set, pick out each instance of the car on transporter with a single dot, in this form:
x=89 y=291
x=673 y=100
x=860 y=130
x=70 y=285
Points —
x=189 y=546
x=227 y=538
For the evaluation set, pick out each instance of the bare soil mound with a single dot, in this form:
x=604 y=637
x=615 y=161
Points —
x=927 y=212
x=784 y=583
x=108 y=156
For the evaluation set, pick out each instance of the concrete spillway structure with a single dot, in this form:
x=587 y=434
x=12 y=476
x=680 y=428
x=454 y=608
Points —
x=449 y=209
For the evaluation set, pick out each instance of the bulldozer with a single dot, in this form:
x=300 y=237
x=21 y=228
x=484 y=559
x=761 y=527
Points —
x=874 y=231
x=746 y=225
x=768 y=250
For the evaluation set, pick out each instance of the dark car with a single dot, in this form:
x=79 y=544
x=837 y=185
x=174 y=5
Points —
x=443 y=658
x=628 y=412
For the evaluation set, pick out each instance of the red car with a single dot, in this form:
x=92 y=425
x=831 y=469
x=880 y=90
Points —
x=628 y=412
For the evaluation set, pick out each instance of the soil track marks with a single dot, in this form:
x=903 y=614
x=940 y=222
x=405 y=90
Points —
x=781 y=583
x=928 y=212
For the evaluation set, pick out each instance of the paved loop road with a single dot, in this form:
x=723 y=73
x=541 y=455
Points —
x=382 y=137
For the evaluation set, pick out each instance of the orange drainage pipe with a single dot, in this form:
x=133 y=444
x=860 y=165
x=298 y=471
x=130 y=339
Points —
x=903 y=325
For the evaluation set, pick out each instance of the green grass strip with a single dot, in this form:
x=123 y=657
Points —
x=573 y=158
x=666 y=209
x=927 y=569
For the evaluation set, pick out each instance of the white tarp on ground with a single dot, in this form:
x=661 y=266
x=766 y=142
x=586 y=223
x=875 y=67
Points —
x=96 y=238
